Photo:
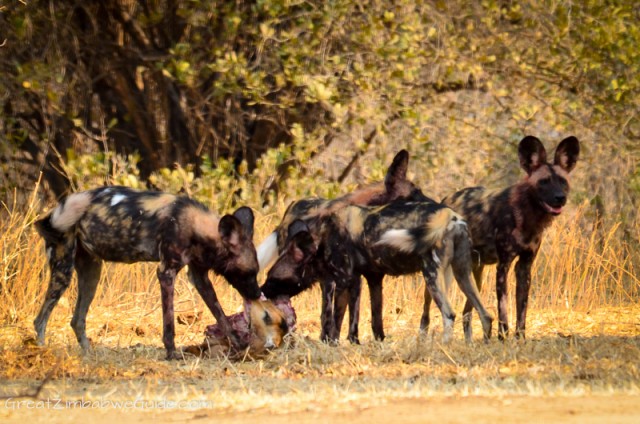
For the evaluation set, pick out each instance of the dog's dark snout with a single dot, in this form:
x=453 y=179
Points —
x=560 y=199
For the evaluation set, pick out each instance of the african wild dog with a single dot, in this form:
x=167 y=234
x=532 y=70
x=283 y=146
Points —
x=119 y=224
x=396 y=239
x=509 y=223
x=395 y=187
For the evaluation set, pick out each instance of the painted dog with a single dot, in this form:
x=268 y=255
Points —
x=509 y=223
x=395 y=239
x=396 y=187
x=119 y=224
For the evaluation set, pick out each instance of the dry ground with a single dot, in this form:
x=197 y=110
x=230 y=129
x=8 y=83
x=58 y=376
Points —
x=576 y=366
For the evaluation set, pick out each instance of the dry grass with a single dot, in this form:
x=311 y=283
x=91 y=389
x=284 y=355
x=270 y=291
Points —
x=583 y=330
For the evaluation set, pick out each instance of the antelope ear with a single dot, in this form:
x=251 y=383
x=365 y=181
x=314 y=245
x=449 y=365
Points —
x=245 y=216
x=397 y=170
x=531 y=153
x=567 y=153
x=230 y=230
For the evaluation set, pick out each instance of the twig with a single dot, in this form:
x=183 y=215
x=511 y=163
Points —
x=367 y=141
x=33 y=395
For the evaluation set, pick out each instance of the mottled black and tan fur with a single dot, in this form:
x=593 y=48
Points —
x=509 y=223
x=396 y=239
x=119 y=224
x=395 y=187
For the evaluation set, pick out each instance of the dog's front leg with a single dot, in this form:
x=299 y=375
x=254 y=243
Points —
x=328 y=332
x=355 y=289
x=374 y=281
x=201 y=282
x=167 y=276
x=348 y=294
x=342 y=299
x=523 y=284
x=503 y=300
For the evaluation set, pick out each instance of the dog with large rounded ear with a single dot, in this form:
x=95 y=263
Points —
x=244 y=214
x=236 y=229
x=567 y=153
x=396 y=184
x=291 y=273
x=397 y=170
x=300 y=243
x=531 y=153
x=240 y=260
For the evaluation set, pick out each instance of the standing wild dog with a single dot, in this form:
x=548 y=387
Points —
x=119 y=224
x=396 y=239
x=395 y=187
x=509 y=223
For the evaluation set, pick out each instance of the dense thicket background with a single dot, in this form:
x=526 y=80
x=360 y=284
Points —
x=242 y=100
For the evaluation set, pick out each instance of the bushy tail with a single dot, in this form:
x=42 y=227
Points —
x=268 y=250
x=423 y=238
x=46 y=230
x=61 y=219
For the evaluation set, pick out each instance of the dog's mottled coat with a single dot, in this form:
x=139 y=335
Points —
x=396 y=239
x=395 y=188
x=509 y=223
x=119 y=224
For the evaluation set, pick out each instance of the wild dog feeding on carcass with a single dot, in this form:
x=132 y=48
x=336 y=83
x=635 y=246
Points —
x=509 y=223
x=396 y=239
x=396 y=187
x=119 y=224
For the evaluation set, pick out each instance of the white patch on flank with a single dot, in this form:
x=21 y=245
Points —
x=117 y=199
x=268 y=250
x=401 y=240
x=49 y=253
x=66 y=214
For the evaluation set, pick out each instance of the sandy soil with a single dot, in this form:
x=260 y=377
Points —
x=509 y=409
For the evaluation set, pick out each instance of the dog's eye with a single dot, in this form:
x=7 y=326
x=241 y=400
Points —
x=544 y=182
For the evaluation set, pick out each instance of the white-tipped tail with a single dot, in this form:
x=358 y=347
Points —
x=69 y=212
x=268 y=250
x=398 y=239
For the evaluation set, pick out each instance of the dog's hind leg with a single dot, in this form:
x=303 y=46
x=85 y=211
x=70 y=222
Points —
x=88 y=269
x=430 y=272
x=468 y=307
x=425 y=320
x=461 y=265
x=60 y=257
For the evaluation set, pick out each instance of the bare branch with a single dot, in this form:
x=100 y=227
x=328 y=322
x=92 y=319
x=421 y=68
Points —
x=33 y=395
